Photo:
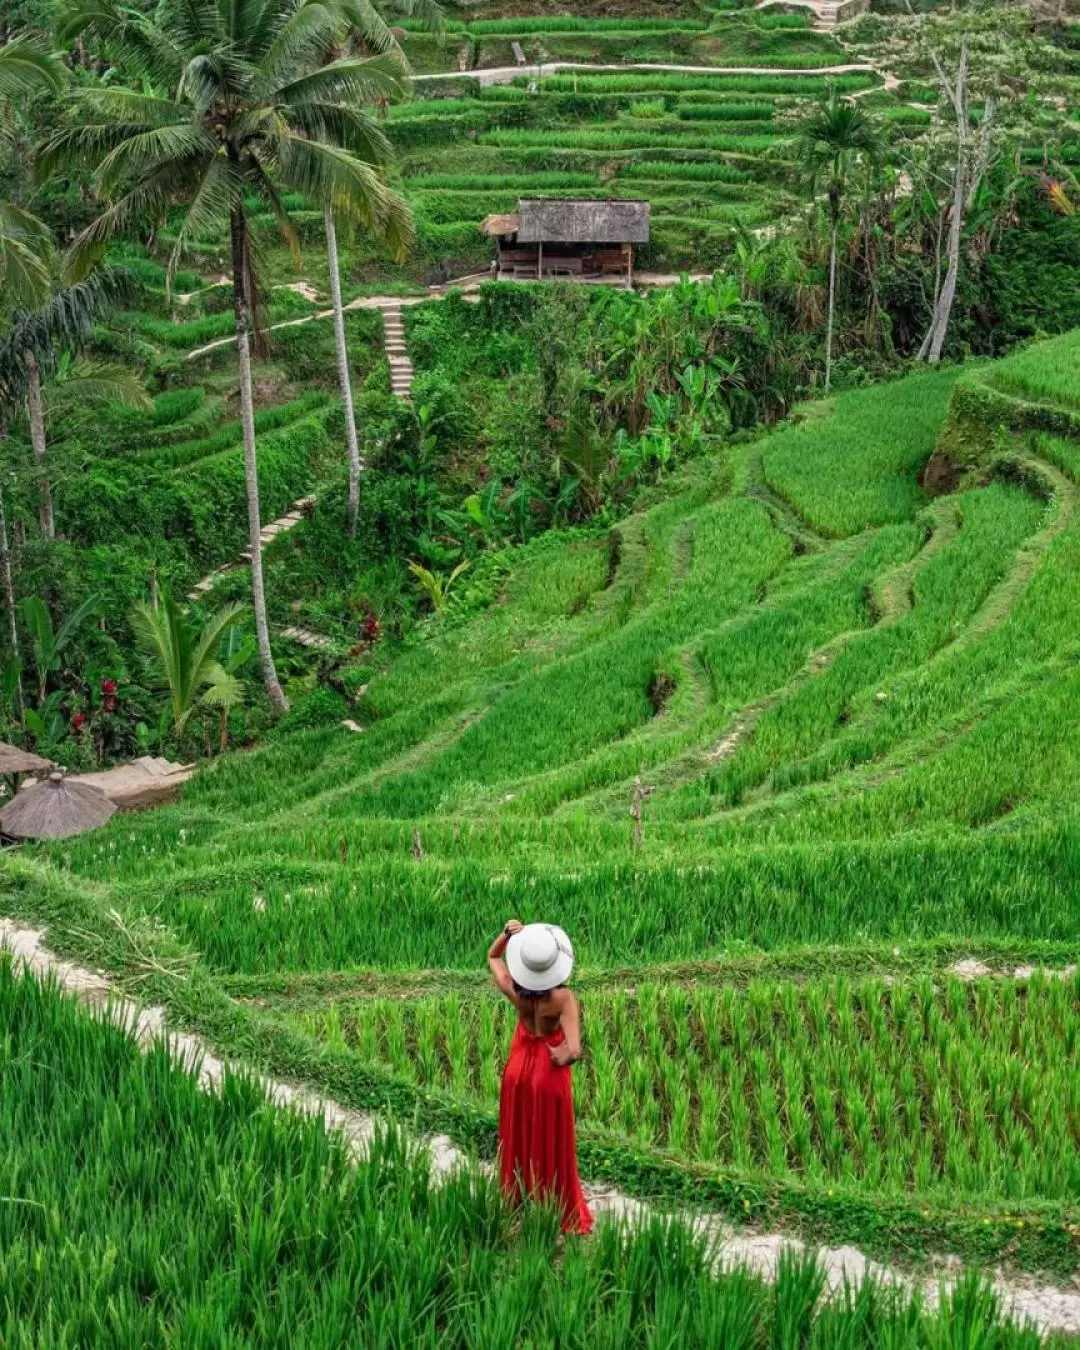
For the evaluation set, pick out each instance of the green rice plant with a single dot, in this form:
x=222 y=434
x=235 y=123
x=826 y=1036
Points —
x=612 y=139
x=726 y=112
x=142 y=1210
x=1048 y=372
x=640 y=82
x=841 y=474
x=806 y=1094
x=229 y=435
x=576 y=24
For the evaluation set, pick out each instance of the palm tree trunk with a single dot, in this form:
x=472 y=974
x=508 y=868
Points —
x=9 y=600
x=832 y=303
x=36 y=414
x=251 y=469
x=343 y=370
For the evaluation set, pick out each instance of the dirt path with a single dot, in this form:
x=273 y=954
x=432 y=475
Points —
x=507 y=74
x=1050 y=1308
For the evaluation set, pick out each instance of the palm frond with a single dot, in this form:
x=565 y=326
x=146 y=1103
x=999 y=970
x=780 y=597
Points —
x=145 y=201
x=24 y=272
x=216 y=193
x=346 y=128
x=429 y=12
x=350 y=80
x=301 y=41
x=26 y=66
x=184 y=143
x=267 y=191
x=330 y=174
x=368 y=26
x=131 y=108
x=96 y=382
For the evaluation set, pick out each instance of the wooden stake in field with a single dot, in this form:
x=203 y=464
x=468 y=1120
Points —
x=640 y=793
x=417 y=845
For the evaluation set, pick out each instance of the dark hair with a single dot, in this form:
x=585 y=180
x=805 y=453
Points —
x=533 y=993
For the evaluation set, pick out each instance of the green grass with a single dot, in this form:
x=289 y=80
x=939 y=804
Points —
x=1049 y=372
x=141 y=1211
x=859 y=467
x=856 y=709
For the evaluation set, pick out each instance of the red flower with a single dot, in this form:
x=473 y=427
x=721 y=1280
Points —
x=78 y=722
x=370 y=628
x=108 y=686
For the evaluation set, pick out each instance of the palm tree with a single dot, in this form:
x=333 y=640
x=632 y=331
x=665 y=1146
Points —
x=41 y=342
x=187 y=659
x=24 y=241
x=834 y=137
x=366 y=28
x=246 y=109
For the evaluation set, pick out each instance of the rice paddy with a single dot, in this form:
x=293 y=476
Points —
x=141 y=1210
x=854 y=706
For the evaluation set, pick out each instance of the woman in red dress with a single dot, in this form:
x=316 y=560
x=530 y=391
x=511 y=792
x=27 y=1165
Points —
x=537 y=1150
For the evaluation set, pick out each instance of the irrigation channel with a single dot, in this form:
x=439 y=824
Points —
x=1050 y=1308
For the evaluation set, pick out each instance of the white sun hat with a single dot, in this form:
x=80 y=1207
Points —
x=539 y=957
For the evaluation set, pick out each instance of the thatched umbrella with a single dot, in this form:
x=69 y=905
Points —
x=14 y=761
x=55 y=809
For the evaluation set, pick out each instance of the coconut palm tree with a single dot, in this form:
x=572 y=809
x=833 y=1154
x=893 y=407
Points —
x=835 y=136
x=233 y=103
x=43 y=342
x=365 y=28
x=25 y=68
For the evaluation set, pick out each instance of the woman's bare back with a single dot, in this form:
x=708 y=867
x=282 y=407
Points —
x=541 y=1016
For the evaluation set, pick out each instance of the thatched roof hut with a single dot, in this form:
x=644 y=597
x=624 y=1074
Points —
x=55 y=809
x=15 y=761
x=568 y=236
x=558 y=221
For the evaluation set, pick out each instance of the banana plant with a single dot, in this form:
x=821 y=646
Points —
x=48 y=643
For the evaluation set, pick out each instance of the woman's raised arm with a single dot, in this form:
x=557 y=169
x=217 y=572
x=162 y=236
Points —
x=496 y=964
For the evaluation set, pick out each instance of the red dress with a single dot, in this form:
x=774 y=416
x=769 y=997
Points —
x=537 y=1152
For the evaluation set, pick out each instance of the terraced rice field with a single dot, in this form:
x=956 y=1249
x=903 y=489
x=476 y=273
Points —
x=856 y=709
x=141 y=1210
x=470 y=147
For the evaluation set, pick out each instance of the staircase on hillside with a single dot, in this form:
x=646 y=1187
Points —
x=401 y=369
x=300 y=509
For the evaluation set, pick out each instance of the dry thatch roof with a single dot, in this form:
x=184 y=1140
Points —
x=147 y=781
x=55 y=809
x=14 y=760
x=574 y=221
x=506 y=224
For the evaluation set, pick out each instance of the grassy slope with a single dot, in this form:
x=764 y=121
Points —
x=863 y=739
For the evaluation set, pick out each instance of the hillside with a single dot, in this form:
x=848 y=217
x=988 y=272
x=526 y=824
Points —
x=853 y=706
x=729 y=619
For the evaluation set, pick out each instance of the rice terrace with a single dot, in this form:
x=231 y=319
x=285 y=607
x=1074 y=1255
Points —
x=540 y=674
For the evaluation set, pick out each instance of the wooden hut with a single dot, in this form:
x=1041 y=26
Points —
x=584 y=239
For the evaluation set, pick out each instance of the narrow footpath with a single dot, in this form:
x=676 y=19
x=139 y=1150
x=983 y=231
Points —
x=539 y=71
x=1026 y=1299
